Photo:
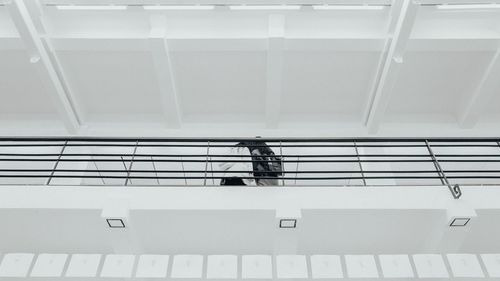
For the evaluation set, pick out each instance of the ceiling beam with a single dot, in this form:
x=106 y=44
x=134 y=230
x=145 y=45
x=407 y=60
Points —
x=391 y=26
x=388 y=71
x=220 y=44
x=164 y=71
x=41 y=59
x=488 y=86
x=275 y=57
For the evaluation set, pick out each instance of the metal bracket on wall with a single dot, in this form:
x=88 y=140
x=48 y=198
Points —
x=455 y=191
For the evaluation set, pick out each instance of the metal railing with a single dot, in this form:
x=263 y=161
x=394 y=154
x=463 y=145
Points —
x=196 y=161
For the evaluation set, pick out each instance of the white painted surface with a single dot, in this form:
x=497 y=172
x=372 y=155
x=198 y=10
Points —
x=187 y=266
x=118 y=266
x=465 y=265
x=396 y=266
x=430 y=266
x=222 y=267
x=326 y=266
x=492 y=264
x=49 y=265
x=219 y=58
x=83 y=265
x=291 y=266
x=16 y=265
x=257 y=267
x=152 y=266
x=402 y=220
x=361 y=266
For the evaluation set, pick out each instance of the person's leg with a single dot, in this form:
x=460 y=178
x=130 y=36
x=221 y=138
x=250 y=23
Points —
x=232 y=181
x=268 y=182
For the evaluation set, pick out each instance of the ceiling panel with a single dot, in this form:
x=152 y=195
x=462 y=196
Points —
x=21 y=91
x=432 y=85
x=224 y=86
x=329 y=85
x=117 y=86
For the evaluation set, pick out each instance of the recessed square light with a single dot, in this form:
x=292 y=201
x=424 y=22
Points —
x=115 y=223
x=288 y=223
x=460 y=222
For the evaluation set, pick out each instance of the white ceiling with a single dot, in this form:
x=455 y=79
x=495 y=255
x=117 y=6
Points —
x=245 y=73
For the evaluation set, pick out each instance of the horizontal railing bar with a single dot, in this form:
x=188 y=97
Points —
x=215 y=140
x=238 y=156
x=205 y=155
x=214 y=171
x=247 y=161
x=216 y=177
x=242 y=171
x=260 y=178
x=222 y=160
x=232 y=145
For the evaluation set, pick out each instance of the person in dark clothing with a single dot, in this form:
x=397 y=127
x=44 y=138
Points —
x=266 y=166
x=232 y=181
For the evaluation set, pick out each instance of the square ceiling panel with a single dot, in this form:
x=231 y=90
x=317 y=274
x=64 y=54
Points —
x=118 y=86
x=21 y=91
x=325 y=85
x=432 y=84
x=490 y=105
x=221 y=86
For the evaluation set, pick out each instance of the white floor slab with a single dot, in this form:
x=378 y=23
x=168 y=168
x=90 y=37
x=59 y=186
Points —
x=83 y=265
x=257 y=267
x=291 y=266
x=430 y=266
x=222 y=267
x=492 y=264
x=16 y=265
x=49 y=265
x=396 y=266
x=152 y=266
x=187 y=266
x=465 y=265
x=118 y=266
x=361 y=266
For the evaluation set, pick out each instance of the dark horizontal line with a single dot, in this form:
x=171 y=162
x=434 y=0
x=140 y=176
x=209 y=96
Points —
x=210 y=177
x=236 y=139
x=242 y=171
x=261 y=178
x=232 y=145
x=245 y=161
x=241 y=156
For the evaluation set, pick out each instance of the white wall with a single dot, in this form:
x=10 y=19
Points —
x=244 y=220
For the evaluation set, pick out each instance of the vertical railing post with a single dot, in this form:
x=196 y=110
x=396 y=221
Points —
x=131 y=163
x=57 y=163
x=154 y=168
x=206 y=164
x=359 y=163
x=434 y=160
x=99 y=173
x=455 y=189
x=282 y=165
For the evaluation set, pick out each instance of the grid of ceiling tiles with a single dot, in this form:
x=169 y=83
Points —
x=450 y=266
